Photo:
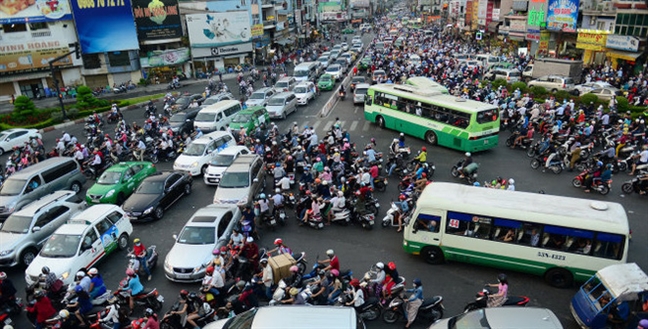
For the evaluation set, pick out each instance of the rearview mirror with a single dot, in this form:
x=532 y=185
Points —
x=36 y=229
x=175 y=237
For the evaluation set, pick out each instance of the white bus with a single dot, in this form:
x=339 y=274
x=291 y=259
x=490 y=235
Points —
x=563 y=239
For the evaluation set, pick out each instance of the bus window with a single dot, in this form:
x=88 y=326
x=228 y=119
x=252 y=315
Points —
x=427 y=223
x=487 y=116
x=608 y=245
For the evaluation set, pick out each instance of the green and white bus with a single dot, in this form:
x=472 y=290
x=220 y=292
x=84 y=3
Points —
x=428 y=113
x=563 y=239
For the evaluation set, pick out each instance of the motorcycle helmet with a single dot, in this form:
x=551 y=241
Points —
x=64 y=314
x=467 y=154
x=402 y=135
x=45 y=270
x=262 y=196
x=424 y=149
x=330 y=253
x=148 y=312
x=502 y=278
x=3 y=275
x=78 y=289
x=373 y=140
x=335 y=273
x=391 y=265
x=184 y=293
x=294 y=269
x=511 y=181
x=277 y=190
x=136 y=240
x=80 y=274
x=192 y=295
x=380 y=265
x=278 y=241
x=318 y=181
x=216 y=252
x=39 y=293
x=599 y=163
x=402 y=197
x=417 y=282
x=93 y=271
x=130 y=272
x=209 y=270
x=293 y=291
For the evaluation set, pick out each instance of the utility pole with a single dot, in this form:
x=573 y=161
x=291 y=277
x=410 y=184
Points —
x=77 y=52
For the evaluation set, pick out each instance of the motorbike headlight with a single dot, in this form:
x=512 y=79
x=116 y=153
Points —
x=6 y=252
x=110 y=193
x=148 y=210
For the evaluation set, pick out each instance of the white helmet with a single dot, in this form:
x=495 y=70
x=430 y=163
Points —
x=380 y=265
x=468 y=154
x=80 y=274
x=330 y=252
x=511 y=181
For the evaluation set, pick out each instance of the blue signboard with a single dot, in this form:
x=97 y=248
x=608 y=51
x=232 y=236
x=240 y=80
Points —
x=105 y=25
x=562 y=15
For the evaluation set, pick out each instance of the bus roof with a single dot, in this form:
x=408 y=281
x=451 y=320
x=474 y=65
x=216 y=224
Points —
x=436 y=98
x=555 y=210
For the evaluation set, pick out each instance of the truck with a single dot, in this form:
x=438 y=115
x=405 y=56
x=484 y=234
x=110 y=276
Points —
x=552 y=66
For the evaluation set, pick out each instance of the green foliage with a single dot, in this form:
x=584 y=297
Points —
x=562 y=95
x=498 y=83
x=622 y=104
x=521 y=85
x=144 y=82
x=539 y=92
x=85 y=98
x=23 y=108
x=588 y=98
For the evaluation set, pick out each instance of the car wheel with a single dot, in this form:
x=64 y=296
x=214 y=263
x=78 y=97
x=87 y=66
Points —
x=381 y=122
x=122 y=243
x=158 y=212
x=203 y=170
x=76 y=187
x=283 y=116
x=187 y=189
x=431 y=137
x=554 y=90
x=27 y=256
x=1 y=151
x=559 y=278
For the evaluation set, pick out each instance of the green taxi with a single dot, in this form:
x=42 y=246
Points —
x=249 y=119
x=118 y=182
x=365 y=63
x=348 y=30
x=326 y=82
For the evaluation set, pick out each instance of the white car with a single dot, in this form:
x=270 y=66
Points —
x=199 y=153
x=16 y=137
x=335 y=53
x=304 y=92
x=335 y=70
x=209 y=228
x=86 y=239
x=589 y=86
x=345 y=46
x=324 y=61
x=221 y=162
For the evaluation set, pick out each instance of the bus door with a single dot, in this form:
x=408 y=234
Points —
x=426 y=227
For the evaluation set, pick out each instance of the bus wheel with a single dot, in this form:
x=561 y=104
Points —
x=381 y=122
x=431 y=137
x=432 y=255
x=559 y=278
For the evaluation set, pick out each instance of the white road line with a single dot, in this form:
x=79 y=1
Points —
x=365 y=126
x=354 y=125
x=316 y=124
x=328 y=125
x=342 y=123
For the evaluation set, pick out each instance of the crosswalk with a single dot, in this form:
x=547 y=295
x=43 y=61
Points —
x=324 y=125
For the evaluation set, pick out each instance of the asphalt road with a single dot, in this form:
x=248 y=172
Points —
x=359 y=249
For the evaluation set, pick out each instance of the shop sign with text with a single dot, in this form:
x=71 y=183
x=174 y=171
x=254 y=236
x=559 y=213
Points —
x=34 y=11
x=562 y=15
x=622 y=42
x=105 y=25
x=157 y=19
x=32 y=56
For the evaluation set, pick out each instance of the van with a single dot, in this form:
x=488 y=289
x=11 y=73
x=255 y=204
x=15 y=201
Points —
x=306 y=71
x=487 y=59
x=285 y=84
x=201 y=151
x=506 y=74
x=360 y=93
x=241 y=181
x=217 y=116
x=293 y=317
x=35 y=181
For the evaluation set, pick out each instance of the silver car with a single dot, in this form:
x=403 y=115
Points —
x=553 y=83
x=260 y=96
x=282 y=104
x=502 y=318
x=209 y=228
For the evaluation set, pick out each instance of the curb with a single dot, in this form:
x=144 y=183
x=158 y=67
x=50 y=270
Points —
x=330 y=104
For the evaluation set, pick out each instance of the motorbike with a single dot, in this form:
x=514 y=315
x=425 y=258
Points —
x=470 y=178
x=173 y=85
x=556 y=165
x=151 y=260
x=634 y=185
x=481 y=301
x=147 y=298
x=12 y=307
x=174 y=321
x=380 y=184
x=342 y=94
x=602 y=187
x=120 y=89
x=370 y=310
x=150 y=111
x=92 y=173
x=524 y=144
x=430 y=310
x=388 y=220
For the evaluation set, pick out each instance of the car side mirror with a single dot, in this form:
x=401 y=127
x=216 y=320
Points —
x=175 y=237
x=36 y=229
x=256 y=180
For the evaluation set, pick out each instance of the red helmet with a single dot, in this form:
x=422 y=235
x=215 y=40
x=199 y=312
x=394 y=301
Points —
x=424 y=175
x=308 y=192
x=130 y=272
x=278 y=241
x=424 y=149
x=391 y=265
x=335 y=272
x=210 y=270
x=402 y=197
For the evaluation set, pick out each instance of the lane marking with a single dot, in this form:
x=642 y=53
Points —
x=365 y=126
x=354 y=124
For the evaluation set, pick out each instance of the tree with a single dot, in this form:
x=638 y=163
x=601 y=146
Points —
x=85 y=98
x=23 y=108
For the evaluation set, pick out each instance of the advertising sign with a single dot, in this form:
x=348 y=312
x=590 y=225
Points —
x=165 y=57
x=481 y=12
x=469 y=13
x=157 y=19
x=105 y=26
x=475 y=18
x=591 y=39
x=622 y=42
x=518 y=25
x=257 y=30
x=23 y=57
x=218 y=29
x=496 y=14
x=562 y=15
x=33 y=11
x=222 y=51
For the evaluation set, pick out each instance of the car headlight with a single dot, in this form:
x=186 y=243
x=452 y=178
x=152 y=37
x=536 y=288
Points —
x=6 y=252
x=168 y=266
x=110 y=193
x=195 y=164
x=65 y=274
x=148 y=210
x=243 y=201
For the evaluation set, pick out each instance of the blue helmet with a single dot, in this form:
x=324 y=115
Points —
x=417 y=281
x=78 y=289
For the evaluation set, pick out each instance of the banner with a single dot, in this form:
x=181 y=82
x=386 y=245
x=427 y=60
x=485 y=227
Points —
x=27 y=57
x=218 y=29
x=257 y=30
x=33 y=11
x=165 y=57
x=622 y=42
x=562 y=15
x=157 y=19
x=105 y=25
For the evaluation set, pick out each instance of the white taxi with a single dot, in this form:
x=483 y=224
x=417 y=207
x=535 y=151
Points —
x=200 y=152
x=80 y=243
x=304 y=92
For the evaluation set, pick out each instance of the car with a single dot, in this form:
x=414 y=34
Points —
x=336 y=71
x=209 y=228
x=365 y=63
x=82 y=242
x=182 y=121
x=360 y=93
x=293 y=317
x=356 y=39
x=345 y=46
x=282 y=104
x=182 y=103
x=249 y=119
x=472 y=64
x=221 y=162
x=337 y=47
x=304 y=92
x=502 y=318
x=24 y=232
x=211 y=100
x=553 y=83
x=356 y=48
x=241 y=181
x=285 y=84
x=365 y=27
x=326 y=54
x=16 y=137
x=357 y=80
x=510 y=75
x=344 y=64
x=201 y=151
x=377 y=74
x=326 y=82
x=606 y=93
x=348 y=30
x=156 y=194
x=118 y=182
x=350 y=57
x=335 y=53
x=324 y=61
x=589 y=86
x=260 y=96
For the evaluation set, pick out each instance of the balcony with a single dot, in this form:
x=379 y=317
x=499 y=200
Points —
x=269 y=24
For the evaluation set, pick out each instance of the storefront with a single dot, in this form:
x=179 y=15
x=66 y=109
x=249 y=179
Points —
x=222 y=58
x=593 y=43
x=624 y=50
x=159 y=66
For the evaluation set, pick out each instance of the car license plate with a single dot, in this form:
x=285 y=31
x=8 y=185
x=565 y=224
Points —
x=183 y=276
x=273 y=222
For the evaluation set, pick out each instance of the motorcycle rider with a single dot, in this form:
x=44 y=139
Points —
x=197 y=309
x=141 y=148
x=83 y=304
x=604 y=175
x=403 y=207
x=7 y=291
x=134 y=286
x=500 y=297
x=114 y=314
x=421 y=158
x=43 y=309
x=264 y=206
x=140 y=251
x=280 y=248
x=266 y=276
x=332 y=263
x=640 y=159
x=358 y=294
x=97 y=286
x=379 y=280
x=295 y=279
x=467 y=161
x=52 y=283
x=342 y=91
x=338 y=203
x=151 y=320
x=413 y=302
x=96 y=161
x=183 y=309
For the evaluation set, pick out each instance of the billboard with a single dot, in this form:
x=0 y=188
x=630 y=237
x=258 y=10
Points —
x=165 y=57
x=157 y=19
x=24 y=57
x=105 y=26
x=562 y=15
x=218 y=29
x=33 y=11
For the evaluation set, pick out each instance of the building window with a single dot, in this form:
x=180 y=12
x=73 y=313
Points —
x=38 y=26
x=91 y=61
x=17 y=27
x=119 y=58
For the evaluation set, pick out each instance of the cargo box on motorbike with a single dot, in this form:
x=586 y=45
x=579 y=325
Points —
x=280 y=265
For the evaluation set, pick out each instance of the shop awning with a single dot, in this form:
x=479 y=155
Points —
x=623 y=55
x=284 y=41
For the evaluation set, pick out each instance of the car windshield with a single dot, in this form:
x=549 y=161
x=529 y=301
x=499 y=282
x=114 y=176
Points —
x=183 y=100
x=301 y=73
x=235 y=180
x=470 y=320
x=208 y=117
x=257 y=96
x=333 y=68
x=325 y=78
x=109 y=178
x=514 y=74
x=276 y=101
x=197 y=235
x=16 y=224
x=222 y=160
x=323 y=59
x=358 y=80
x=210 y=101
x=300 y=90
x=242 y=118
x=282 y=84
x=178 y=117
x=61 y=246
x=361 y=91
x=195 y=149
x=242 y=321
x=12 y=187
x=150 y=187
